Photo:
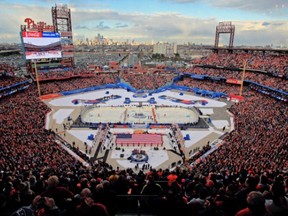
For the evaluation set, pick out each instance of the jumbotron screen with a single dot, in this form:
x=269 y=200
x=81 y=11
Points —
x=41 y=45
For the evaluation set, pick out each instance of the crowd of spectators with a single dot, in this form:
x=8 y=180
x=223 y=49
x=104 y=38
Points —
x=271 y=63
x=11 y=63
x=210 y=85
x=61 y=73
x=247 y=175
x=6 y=81
x=9 y=83
x=261 y=78
x=7 y=69
x=259 y=140
x=25 y=144
x=147 y=80
x=75 y=83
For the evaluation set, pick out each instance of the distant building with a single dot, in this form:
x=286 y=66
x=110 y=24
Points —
x=167 y=49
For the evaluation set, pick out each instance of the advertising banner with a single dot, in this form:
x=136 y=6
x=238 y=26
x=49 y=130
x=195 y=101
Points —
x=66 y=34
x=234 y=81
x=68 y=54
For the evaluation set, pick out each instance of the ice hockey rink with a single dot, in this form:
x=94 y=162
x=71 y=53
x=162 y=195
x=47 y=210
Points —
x=117 y=111
x=145 y=114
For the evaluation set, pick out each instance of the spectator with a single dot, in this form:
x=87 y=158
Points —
x=256 y=205
x=60 y=194
x=88 y=207
x=278 y=205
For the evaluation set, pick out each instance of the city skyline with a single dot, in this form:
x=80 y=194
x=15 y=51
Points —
x=258 y=22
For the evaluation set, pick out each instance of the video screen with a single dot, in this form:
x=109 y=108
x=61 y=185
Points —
x=41 y=45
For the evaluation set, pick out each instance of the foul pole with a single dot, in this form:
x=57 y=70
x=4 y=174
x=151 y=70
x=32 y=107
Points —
x=37 y=78
x=243 y=76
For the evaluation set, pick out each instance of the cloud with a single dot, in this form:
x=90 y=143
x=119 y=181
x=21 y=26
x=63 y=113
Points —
x=248 y=32
x=266 y=6
x=261 y=37
x=119 y=25
x=278 y=23
x=171 y=27
x=81 y=27
x=272 y=7
x=181 y=1
x=13 y=15
x=158 y=26
x=101 y=26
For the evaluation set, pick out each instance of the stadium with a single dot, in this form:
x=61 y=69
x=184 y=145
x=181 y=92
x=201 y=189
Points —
x=136 y=141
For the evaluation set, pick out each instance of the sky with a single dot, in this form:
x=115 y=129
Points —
x=257 y=22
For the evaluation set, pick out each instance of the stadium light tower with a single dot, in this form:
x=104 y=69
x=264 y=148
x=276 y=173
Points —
x=61 y=16
x=226 y=28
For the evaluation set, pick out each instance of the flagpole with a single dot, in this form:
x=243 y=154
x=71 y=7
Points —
x=37 y=78
x=243 y=76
